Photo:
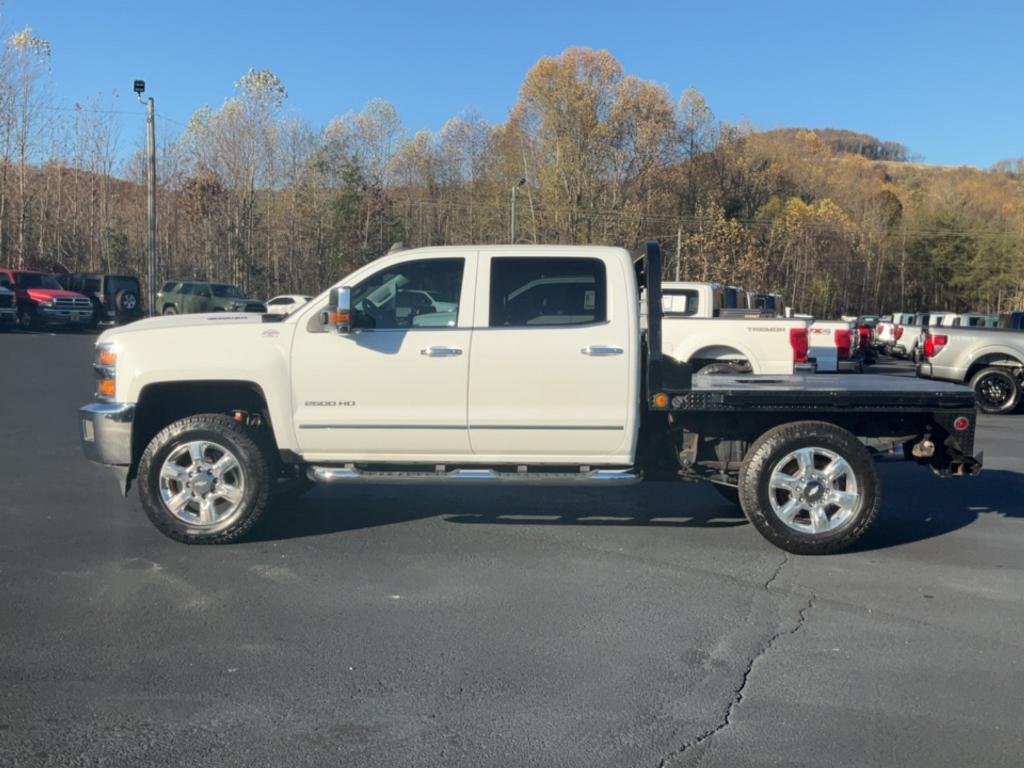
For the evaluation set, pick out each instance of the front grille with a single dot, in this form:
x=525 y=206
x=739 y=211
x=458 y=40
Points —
x=6 y=301
x=79 y=303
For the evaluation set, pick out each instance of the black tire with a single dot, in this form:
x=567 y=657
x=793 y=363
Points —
x=27 y=320
x=256 y=486
x=170 y=309
x=997 y=390
x=728 y=492
x=725 y=369
x=775 y=446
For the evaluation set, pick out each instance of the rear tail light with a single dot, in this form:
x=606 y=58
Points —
x=798 y=341
x=899 y=332
x=865 y=338
x=880 y=329
x=961 y=424
x=844 y=342
x=933 y=344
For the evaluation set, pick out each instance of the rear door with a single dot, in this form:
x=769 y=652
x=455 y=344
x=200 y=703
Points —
x=552 y=369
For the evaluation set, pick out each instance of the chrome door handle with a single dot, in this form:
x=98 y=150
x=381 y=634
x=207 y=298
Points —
x=441 y=351
x=599 y=350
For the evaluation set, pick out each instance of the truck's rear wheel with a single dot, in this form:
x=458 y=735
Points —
x=809 y=487
x=997 y=390
x=204 y=480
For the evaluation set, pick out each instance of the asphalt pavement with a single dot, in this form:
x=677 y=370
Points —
x=403 y=626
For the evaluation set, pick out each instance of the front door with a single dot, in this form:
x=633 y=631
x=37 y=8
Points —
x=552 y=375
x=394 y=389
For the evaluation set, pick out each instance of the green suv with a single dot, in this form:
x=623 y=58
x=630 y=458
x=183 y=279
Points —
x=179 y=297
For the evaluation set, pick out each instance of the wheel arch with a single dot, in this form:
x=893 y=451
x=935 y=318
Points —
x=723 y=353
x=996 y=359
x=162 y=403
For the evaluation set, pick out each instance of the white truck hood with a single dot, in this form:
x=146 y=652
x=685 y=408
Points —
x=169 y=322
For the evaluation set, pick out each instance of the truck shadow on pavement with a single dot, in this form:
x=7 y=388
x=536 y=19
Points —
x=916 y=507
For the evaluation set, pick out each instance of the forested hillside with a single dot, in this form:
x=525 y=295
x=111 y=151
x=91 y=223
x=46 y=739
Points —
x=836 y=221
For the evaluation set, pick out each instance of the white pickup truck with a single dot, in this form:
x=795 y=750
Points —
x=536 y=369
x=699 y=329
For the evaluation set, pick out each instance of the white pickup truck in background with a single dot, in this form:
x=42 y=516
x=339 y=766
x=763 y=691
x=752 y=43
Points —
x=833 y=346
x=699 y=329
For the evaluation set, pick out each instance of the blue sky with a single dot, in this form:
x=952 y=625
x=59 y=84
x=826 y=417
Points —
x=944 y=78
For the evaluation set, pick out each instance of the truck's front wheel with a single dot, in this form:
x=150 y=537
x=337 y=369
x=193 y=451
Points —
x=204 y=480
x=809 y=487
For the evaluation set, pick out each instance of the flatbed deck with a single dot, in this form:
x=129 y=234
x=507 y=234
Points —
x=821 y=392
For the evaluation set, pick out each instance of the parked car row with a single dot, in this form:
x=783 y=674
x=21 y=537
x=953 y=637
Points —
x=31 y=299
x=983 y=351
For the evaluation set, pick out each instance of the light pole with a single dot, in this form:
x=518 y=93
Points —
x=140 y=88
x=512 y=226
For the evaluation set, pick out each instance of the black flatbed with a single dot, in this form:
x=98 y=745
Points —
x=820 y=392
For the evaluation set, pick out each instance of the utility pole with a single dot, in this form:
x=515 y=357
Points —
x=151 y=267
x=679 y=250
x=512 y=225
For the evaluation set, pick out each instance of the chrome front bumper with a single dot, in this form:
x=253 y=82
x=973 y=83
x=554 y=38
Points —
x=61 y=316
x=106 y=433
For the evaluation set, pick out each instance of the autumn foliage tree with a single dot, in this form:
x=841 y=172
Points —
x=837 y=221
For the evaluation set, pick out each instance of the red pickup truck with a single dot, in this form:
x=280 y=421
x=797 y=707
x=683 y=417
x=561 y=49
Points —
x=41 y=300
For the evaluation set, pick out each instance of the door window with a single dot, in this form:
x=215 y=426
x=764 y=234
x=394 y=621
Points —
x=414 y=294
x=532 y=292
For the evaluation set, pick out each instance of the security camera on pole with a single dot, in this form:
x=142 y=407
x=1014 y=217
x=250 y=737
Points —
x=140 y=88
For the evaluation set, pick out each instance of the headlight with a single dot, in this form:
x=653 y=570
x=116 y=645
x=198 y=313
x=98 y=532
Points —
x=105 y=368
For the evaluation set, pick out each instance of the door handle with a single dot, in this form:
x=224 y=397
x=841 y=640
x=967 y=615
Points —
x=600 y=350
x=441 y=351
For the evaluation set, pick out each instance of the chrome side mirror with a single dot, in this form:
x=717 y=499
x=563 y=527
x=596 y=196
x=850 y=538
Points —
x=339 y=310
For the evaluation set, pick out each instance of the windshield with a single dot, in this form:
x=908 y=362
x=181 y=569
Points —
x=115 y=284
x=222 y=291
x=33 y=280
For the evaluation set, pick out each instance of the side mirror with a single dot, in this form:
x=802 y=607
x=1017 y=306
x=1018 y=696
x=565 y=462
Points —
x=339 y=310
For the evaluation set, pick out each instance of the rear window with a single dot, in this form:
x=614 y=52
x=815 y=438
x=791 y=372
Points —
x=115 y=284
x=679 y=301
x=547 y=292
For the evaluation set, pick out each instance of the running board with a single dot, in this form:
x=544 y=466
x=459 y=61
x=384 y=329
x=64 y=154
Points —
x=352 y=474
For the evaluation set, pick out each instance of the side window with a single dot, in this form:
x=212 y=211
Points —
x=279 y=301
x=5 y=280
x=202 y=290
x=187 y=289
x=415 y=294
x=679 y=301
x=538 y=292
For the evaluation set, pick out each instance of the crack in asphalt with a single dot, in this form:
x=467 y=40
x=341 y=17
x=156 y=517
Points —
x=739 y=693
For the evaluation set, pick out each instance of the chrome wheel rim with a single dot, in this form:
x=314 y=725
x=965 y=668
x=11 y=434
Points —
x=202 y=483
x=813 y=490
